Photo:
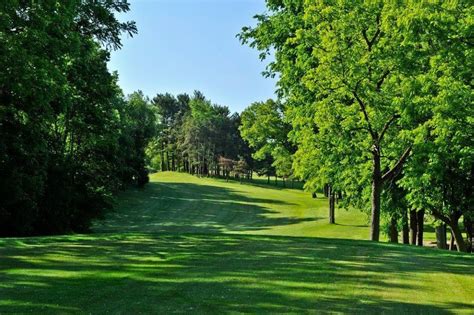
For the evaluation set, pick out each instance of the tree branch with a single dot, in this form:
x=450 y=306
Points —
x=391 y=174
x=387 y=125
x=381 y=80
x=440 y=216
x=367 y=41
x=366 y=115
x=371 y=42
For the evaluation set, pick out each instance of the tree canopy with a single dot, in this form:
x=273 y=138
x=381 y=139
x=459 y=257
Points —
x=363 y=83
x=69 y=139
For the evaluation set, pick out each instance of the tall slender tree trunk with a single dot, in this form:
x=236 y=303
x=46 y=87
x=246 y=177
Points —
x=420 y=227
x=162 y=156
x=441 y=236
x=413 y=227
x=268 y=179
x=173 y=165
x=376 y=192
x=332 y=218
x=393 y=231
x=405 y=228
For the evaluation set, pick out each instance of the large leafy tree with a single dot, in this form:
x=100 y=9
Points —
x=264 y=128
x=352 y=73
x=61 y=114
x=440 y=176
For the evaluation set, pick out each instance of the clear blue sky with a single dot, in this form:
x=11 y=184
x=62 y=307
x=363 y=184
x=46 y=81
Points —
x=184 y=45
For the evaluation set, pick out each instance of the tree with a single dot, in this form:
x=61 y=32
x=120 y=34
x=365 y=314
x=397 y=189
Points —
x=140 y=128
x=171 y=111
x=266 y=132
x=352 y=74
x=241 y=168
x=227 y=166
x=439 y=178
x=61 y=114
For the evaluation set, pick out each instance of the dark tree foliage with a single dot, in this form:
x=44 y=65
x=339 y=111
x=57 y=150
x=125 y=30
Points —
x=68 y=139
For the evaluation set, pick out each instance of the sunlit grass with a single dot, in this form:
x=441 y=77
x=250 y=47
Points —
x=183 y=245
x=184 y=203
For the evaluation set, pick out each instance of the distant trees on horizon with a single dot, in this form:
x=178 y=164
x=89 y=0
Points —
x=196 y=136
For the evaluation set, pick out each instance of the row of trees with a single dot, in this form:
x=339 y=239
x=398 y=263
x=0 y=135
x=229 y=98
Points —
x=378 y=99
x=202 y=138
x=68 y=137
x=198 y=137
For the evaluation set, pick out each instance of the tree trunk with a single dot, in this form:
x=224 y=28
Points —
x=441 y=236
x=332 y=219
x=405 y=228
x=162 y=156
x=456 y=232
x=173 y=165
x=451 y=240
x=276 y=180
x=469 y=227
x=268 y=179
x=413 y=227
x=376 y=192
x=393 y=231
x=420 y=224
x=326 y=190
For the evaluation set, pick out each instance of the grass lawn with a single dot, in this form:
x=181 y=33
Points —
x=190 y=245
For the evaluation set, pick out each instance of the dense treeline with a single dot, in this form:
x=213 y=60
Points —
x=205 y=139
x=198 y=137
x=379 y=99
x=69 y=139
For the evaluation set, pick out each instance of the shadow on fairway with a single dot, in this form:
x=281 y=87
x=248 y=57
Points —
x=223 y=274
x=262 y=183
x=191 y=208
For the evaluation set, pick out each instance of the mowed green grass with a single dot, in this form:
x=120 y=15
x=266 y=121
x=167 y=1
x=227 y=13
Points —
x=190 y=245
x=180 y=203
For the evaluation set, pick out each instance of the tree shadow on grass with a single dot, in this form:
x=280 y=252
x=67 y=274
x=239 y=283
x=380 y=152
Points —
x=192 y=208
x=226 y=273
x=352 y=225
x=262 y=183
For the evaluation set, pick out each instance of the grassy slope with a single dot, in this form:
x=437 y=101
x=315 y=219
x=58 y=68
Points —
x=182 y=245
x=187 y=204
